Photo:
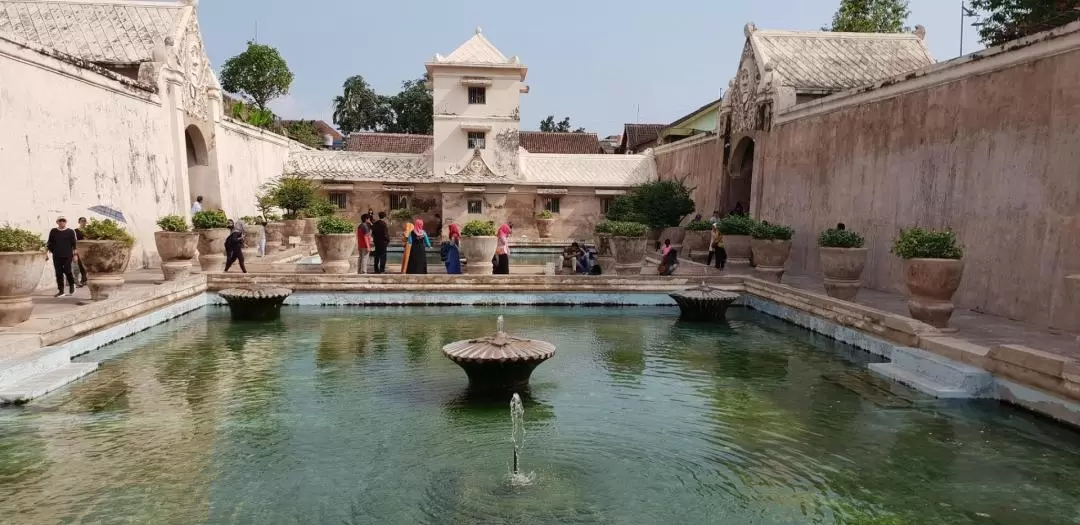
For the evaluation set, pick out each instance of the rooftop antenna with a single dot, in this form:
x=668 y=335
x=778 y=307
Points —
x=637 y=108
x=256 y=32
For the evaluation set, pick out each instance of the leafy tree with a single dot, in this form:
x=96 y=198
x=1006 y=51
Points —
x=412 y=109
x=870 y=16
x=305 y=132
x=292 y=194
x=662 y=203
x=1006 y=20
x=359 y=108
x=259 y=74
x=563 y=126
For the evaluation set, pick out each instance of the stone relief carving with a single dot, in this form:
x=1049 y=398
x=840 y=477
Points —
x=190 y=58
x=507 y=142
x=475 y=168
x=744 y=93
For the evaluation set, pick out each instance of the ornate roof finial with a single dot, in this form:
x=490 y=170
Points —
x=749 y=29
x=920 y=32
x=479 y=30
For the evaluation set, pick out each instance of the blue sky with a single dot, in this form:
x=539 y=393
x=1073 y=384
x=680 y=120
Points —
x=596 y=62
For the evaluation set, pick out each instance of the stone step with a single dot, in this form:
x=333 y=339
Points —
x=41 y=384
x=18 y=369
x=935 y=375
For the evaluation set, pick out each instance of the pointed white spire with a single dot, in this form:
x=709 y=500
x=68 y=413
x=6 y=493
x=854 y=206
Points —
x=476 y=50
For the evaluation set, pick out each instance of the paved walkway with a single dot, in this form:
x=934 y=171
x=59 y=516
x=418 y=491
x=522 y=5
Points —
x=979 y=328
x=48 y=307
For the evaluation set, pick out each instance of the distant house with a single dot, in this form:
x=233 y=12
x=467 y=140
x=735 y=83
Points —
x=610 y=143
x=637 y=138
x=701 y=120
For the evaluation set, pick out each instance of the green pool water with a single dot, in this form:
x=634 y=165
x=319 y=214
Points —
x=351 y=415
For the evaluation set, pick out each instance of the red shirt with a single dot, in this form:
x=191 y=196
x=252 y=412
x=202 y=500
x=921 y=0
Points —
x=363 y=237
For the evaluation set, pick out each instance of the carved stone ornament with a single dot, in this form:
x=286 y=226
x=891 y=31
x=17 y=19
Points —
x=744 y=93
x=474 y=169
x=190 y=58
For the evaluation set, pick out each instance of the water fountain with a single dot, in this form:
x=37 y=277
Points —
x=258 y=303
x=499 y=362
x=517 y=430
x=703 y=303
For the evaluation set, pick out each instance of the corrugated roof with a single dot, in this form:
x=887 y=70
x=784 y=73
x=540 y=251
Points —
x=389 y=142
x=105 y=32
x=832 y=61
x=586 y=170
x=548 y=142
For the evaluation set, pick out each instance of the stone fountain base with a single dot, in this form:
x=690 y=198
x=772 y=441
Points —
x=703 y=303
x=499 y=362
x=498 y=377
x=255 y=304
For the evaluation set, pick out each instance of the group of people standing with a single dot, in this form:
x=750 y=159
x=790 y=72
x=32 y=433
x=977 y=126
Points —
x=62 y=247
x=373 y=239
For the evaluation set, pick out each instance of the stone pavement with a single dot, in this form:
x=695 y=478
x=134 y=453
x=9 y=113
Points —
x=979 y=328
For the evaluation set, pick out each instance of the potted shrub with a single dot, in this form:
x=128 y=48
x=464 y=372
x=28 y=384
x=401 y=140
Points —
x=933 y=269
x=544 y=220
x=770 y=245
x=294 y=195
x=842 y=261
x=697 y=237
x=275 y=234
x=736 y=230
x=662 y=205
x=22 y=262
x=478 y=243
x=336 y=242
x=176 y=245
x=253 y=235
x=628 y=244
x=212 y=227
x=319 y=208
x=105 y=252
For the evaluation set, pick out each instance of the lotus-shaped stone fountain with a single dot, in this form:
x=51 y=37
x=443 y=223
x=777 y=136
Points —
x=499 y=362
x=704 y=303
x=259 y=303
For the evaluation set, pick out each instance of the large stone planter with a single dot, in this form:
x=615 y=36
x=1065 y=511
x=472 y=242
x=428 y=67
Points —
x=676 y=235
x=105 y=263
x=335 y=250
x=629 y=253
x=605 y=257
x=275 y=232
x=770 y=256
x=478 y=252
x=311 y=228
x=842 y=269
x=212 y=248
x=738 y=252
x=176 y=250
x=543 y=227
x=931 y=284
x=294 y=229
x=696 y=242
x=252 y=235
x=20 y=273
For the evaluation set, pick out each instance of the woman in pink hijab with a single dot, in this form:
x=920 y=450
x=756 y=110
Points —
x=501 y=261
x=418 y=242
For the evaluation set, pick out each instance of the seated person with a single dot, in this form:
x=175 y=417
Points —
x=572 y=255
x=670 y=260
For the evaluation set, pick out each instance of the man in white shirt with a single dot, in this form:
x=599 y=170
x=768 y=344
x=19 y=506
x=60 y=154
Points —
x=197 y=206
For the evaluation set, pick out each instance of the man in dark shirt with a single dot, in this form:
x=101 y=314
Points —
x=61 y=245
x=380 y=235
x=78 y=260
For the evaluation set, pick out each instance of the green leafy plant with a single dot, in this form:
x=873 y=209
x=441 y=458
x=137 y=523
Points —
x=833 y=238
x=662 y=203
x=622 y=209
x=919 y=243
x=699 y=226
x=264 y=200
x=335 y=225
x=250 y=219
x=402 y=214
x=259 y=74
x=622 y=228
x=771 y=232
x=209 y=219
x=293 y=194
x=322 y=207
x=478 y=229
x=107 y=230
x=173 y=223
x=545 y=214
x=736 y=225
x=19 y=240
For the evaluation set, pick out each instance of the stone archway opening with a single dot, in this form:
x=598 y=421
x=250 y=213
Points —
x=740 y=175
x=200 y=177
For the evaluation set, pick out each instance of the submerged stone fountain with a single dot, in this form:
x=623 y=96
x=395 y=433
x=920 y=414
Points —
x=499 y=362
x=261 y=303
x=704 y=303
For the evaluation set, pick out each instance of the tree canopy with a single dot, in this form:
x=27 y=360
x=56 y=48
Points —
x=259 y=74
x=870 y=16
x=1005 y=20
x=563 y=126
x=360 y=108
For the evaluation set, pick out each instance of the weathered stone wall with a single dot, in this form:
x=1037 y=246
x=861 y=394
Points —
x=578 y=212
x=71 y=139
x=700 y=165
x=986 y=146
x=247 y=158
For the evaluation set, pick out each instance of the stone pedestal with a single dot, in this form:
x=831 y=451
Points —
x=255 y=304
x=105 y=263
x=103 y=286
x=176 y=250
x=335 y=251
x=311 y=227
x=20 y=273
x=738 y=252
x=770 y=257
x=175 y=270
x=499 y=362
x=842 y=271
x=212 y=249
x=478 y=252
x=931 y=284
x=703 y=303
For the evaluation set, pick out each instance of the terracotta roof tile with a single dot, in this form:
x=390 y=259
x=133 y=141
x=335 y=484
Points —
x=634 y=135
x=389 y=142
x=546 y=142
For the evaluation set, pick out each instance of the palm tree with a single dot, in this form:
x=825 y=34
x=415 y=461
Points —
x=359 y=108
